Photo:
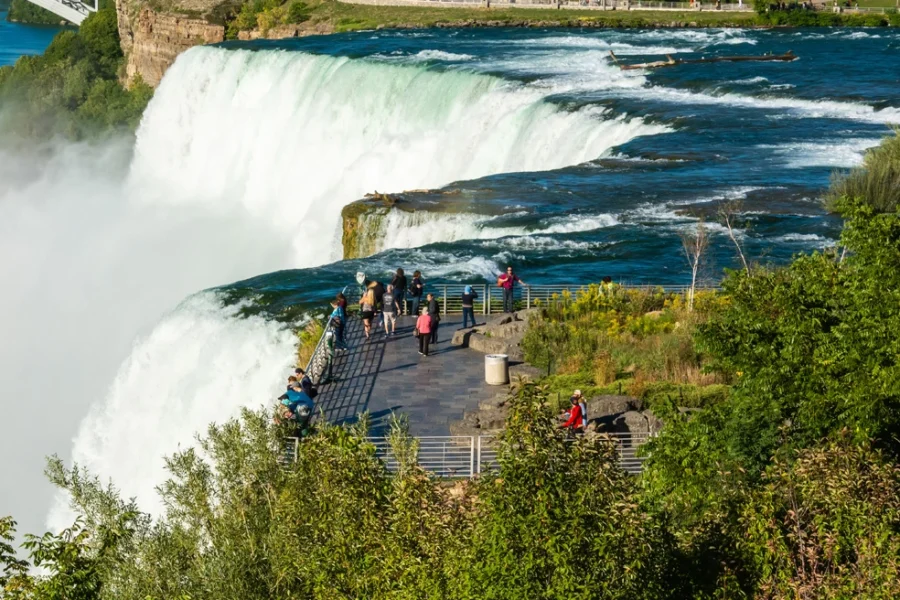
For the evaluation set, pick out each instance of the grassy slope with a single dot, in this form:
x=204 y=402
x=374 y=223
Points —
x=350 y=17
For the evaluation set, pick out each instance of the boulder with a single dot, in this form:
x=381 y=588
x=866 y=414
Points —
x=509 y=330
x=601 y=406
x=525 y=315
x=493 y=345
x=655 y=423
x=461 y=337
x=501 y=320
x=631 y=422
x=498 y=401
x=492 y=419
x=526 y=372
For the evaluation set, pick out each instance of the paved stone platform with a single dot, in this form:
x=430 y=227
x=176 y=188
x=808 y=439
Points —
x=385 y=375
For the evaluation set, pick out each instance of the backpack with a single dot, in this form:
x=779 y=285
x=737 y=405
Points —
x=312 y=392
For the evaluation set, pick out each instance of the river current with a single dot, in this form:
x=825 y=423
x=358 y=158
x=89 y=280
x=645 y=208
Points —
x=158 y=281
x=681 y=142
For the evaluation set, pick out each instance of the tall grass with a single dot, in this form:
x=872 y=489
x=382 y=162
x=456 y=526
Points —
x=627 y=341
x=877 y=180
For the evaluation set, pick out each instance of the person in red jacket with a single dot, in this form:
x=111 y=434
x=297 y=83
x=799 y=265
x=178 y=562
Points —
x=575 y=421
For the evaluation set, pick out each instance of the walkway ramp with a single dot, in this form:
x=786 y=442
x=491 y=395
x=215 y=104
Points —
x=387 y=375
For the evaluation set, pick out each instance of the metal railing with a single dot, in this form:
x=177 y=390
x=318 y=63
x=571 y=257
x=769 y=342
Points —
x=490 y=297
x=320 y=361
x=73 y=11
x=466 y=456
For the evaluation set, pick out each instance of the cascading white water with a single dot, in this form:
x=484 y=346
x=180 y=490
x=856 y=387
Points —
x=281 y=142
x=404 y=229
x=292 y=138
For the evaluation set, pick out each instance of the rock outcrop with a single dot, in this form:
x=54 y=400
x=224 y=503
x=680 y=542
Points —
x=154 y=34
x=499 y=335
x=152 y=41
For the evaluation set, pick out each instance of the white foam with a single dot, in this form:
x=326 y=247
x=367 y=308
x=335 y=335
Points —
x=306 y=135
x=698 y=37
x=200 y=364
x=811 y=240
x=749 y=81
x=837 y=153
x=403 y=229
x=424 y=56
x=794 y=107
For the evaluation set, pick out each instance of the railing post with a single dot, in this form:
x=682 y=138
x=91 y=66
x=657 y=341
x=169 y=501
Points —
x=478 y=460
x=527 y=297
x=488 y=289
x=445 y=299
x=296 y=449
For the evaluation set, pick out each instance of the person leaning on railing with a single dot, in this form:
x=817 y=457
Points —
x=338 y=320
x=468 y=305
x=415 y=293
x=508 y=282
x=400 y=284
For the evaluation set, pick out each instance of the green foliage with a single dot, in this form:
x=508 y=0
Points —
x=560 y=520
x=826 y=524
x=621 y=339
x=22 y=11
x=813 y=344
x=876 y=181
x=298 y=12
x=770 y=15
x=73 y=89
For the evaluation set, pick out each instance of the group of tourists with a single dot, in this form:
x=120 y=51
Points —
x=380 y=306
x=296 y=403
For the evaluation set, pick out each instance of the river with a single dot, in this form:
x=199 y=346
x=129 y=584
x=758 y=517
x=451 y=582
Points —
x=18 y=40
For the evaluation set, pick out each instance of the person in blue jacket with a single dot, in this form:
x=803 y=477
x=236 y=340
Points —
x=338 y=320
x=299 y=406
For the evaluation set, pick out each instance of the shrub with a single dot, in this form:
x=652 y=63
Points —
x=826 y=524
x=298 y=12
x=876 y=181
x=73 y=88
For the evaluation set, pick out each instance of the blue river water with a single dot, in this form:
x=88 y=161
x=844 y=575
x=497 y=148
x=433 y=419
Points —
x=18 y=40
x=768 y=135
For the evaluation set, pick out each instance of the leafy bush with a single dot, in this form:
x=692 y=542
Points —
x=557 y=519
x=73 y=88
x=643 y=336
x=298 y=12
x=826 y=524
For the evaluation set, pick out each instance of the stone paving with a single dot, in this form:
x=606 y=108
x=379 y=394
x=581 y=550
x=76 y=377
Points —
x=382 y=376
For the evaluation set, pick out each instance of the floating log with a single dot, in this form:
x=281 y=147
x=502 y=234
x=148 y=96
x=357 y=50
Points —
x=671 y=62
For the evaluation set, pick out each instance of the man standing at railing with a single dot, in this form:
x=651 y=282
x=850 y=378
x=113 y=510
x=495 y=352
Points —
x=508 y=282
x=434 y=311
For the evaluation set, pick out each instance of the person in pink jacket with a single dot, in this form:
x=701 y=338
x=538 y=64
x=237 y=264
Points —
x=423 y=331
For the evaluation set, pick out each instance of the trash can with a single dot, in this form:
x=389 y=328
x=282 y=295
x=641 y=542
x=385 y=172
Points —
x=496 y=369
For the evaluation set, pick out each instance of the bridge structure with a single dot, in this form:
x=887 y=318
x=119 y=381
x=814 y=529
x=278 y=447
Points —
x=385 y=376
x=73 y=11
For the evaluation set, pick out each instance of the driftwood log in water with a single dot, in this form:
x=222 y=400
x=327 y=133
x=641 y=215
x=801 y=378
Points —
x=671 y=62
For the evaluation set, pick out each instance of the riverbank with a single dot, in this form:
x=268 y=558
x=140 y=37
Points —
x=352 y=17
